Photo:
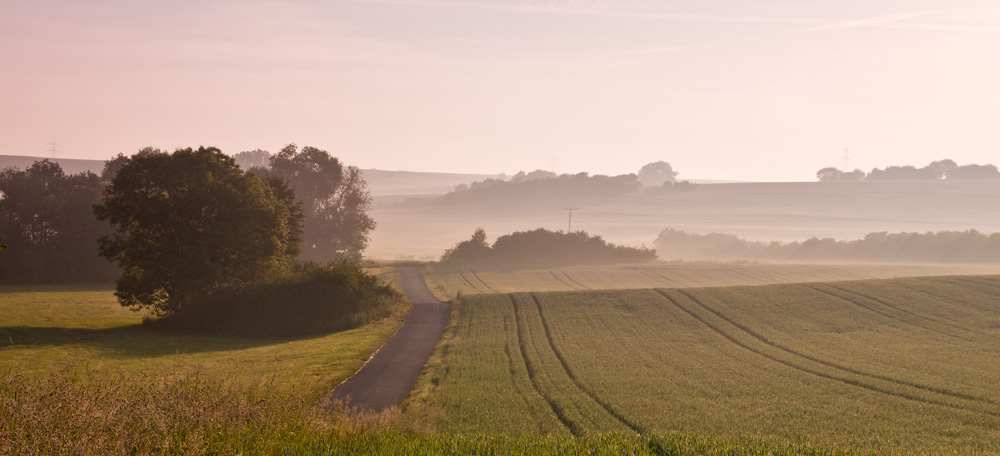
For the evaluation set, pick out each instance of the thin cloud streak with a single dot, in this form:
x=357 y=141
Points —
x=598 y=12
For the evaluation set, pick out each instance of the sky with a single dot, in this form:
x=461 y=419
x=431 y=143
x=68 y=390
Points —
x=721 y=89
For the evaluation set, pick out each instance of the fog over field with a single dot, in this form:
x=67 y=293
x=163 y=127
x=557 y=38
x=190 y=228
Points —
x=758 y=211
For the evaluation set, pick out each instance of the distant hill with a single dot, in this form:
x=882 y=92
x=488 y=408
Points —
x=382 y=183
x=784 y=212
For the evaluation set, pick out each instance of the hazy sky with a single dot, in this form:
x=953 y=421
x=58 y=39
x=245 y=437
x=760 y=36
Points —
x=725 y=89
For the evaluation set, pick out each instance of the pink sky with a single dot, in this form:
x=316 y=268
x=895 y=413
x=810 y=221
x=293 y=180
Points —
x=721 y=89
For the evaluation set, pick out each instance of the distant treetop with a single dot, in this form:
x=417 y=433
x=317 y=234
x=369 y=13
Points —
x=540 y=183
x=657 y=173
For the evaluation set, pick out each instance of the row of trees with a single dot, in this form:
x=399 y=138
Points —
x=943 y=246
x=942 y=169
x=542 y=247
x=546 y=184
x=47 y=219
x=47 y=226
x=541 y=183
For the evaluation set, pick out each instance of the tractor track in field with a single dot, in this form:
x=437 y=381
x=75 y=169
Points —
x=757 y=278
x=510 y=368
x=573 y=427
x=571 y=279
x=656 y=279
x=488 y=287
x=576 y=381
x=908 y=312
x=671 y=283
x=571 y=287
x=977 y=280
x=871 y=308
x=948 y=298
x=848 y=381
x=466 y=279
x=767 y=341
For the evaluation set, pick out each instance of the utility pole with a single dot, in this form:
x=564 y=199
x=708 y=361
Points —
x=569 y=227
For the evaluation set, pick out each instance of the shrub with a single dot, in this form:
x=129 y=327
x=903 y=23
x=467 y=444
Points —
x=542 y=247
x=311 y=299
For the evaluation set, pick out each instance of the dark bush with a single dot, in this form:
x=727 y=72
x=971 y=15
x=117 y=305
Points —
x=312 y=299
x=542 y=247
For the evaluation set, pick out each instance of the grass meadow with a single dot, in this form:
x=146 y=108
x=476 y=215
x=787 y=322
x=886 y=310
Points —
x=901 y=366
x=80 y=375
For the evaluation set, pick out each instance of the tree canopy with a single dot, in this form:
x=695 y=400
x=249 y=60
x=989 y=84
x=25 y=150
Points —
x=335 y=202
x=657 y=173
x=47 y=225
x=189 y=223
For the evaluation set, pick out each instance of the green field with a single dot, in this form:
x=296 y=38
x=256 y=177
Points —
x=887 y=366
x=902 y=365
x=79 y=374
x=446 y=282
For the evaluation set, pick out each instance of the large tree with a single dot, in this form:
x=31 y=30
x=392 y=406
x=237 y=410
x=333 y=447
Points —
x=335 y=201
x=190 y=223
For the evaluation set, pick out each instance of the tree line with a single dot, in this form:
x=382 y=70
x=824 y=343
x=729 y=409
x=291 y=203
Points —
x=547 y=184
x=542 y=247
x=941 y=169
x=932 y=247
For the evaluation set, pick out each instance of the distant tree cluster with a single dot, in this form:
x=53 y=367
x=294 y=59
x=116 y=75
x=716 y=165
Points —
x=941 y=169
x=542 y=247
x=657 y=174
x=47 y=227
x=943 y=246
x=544 y=184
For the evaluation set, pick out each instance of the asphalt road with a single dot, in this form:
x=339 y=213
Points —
x=387 y=378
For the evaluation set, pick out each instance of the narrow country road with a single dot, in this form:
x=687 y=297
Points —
x=387 y=378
